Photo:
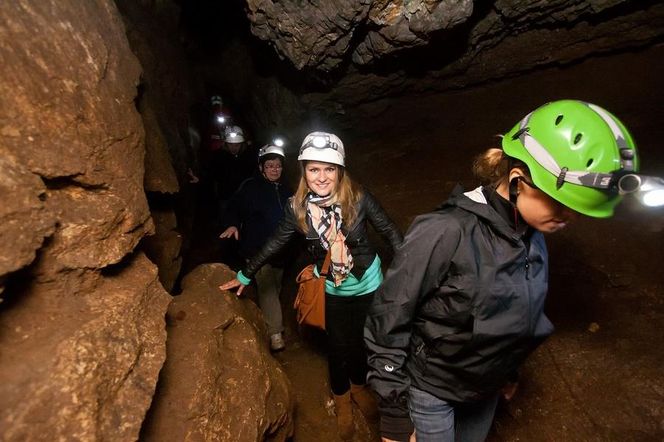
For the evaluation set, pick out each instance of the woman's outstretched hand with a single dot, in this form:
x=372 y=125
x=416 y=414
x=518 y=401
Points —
x=231 y=231
x=233 y=283
x=509 y=390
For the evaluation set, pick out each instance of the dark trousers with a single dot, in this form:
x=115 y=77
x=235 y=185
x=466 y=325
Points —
x=344 y=323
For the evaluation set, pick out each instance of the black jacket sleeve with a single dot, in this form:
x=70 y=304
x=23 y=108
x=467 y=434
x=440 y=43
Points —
x=419 y=265
x=381 y=221
x=238 y=205
x=286 y=229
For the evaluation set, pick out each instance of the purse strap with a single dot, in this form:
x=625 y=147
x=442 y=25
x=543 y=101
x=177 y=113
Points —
x=326 y=264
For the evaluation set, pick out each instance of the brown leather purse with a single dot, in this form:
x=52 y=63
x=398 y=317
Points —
x=310 y=300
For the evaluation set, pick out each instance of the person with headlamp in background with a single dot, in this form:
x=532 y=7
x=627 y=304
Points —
x=219 y=119
x=462 y=303
x=331 y=211
x=252 y=215
x=233 y=164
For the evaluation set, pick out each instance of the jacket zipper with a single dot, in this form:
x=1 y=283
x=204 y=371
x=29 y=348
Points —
x=526 y=244
x=276 y=189
x=528 y=293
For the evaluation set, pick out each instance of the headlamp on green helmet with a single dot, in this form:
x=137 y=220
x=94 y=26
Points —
x=579 y=154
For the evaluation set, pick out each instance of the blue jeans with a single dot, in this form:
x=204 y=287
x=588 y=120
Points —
x=437 y=420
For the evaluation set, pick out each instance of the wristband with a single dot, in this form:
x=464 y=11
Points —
x=243 y=279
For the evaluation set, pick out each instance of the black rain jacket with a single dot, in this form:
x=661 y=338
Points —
x=460 y=309
x=357 y=238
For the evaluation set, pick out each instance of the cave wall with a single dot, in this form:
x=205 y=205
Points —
x=94 y=156
x=82 y=319
x=167 y=104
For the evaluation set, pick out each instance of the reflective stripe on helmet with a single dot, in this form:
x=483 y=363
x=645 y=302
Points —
x=608 y=119
x=588 y=179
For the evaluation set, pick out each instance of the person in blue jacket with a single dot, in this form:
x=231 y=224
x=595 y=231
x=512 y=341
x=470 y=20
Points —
x=252 y=215
x=462 y=303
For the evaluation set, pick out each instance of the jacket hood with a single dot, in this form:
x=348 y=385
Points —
x=476 y=203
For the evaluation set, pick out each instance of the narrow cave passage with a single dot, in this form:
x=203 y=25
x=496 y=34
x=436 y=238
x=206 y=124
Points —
x=411 y=150
x=599 y=350
x=112 y=326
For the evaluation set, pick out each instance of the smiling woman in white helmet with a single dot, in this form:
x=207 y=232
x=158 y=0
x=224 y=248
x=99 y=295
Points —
x=332 y=212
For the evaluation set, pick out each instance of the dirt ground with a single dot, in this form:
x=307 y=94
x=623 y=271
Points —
x=599 y=378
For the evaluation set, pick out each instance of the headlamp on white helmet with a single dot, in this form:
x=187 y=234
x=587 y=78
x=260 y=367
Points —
x=234 y=134
x=324 y=147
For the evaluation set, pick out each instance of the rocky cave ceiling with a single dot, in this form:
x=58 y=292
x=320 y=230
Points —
x=333 y=55
x=362 y=50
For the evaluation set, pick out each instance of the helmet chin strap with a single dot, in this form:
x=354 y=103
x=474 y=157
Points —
x=514 y=193
x=514 y=190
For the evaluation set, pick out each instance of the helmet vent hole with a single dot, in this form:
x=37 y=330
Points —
x=577 y=138
x=589 y=163
x=559 y=118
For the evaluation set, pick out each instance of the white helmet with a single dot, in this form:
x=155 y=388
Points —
x=234 y=134
x=271 y=148
x=324 y=147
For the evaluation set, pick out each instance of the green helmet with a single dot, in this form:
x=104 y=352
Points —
x=576 y=152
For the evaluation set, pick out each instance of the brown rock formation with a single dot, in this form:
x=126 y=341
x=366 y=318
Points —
x=71 y=128
x=163 y=248
x=81 y=355
x=82 y=343
x=220 y=381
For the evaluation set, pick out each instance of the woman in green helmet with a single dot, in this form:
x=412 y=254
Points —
x=462 y=304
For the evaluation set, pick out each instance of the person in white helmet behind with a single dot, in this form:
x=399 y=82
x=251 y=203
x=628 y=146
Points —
x=218 y=120
x=331 y=211
x=234 y=163
x=252 y=216
x=231 y=165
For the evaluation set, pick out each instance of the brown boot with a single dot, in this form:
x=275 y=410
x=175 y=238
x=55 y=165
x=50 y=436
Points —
x=365 y=401
x=344 y=410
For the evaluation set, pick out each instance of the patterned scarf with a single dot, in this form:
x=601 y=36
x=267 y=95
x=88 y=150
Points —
x=325 y=216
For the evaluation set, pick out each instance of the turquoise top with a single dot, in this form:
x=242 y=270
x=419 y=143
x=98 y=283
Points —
x=351 y=286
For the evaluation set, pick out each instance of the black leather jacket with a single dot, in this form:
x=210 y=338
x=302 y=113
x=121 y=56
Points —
x=356 y=238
